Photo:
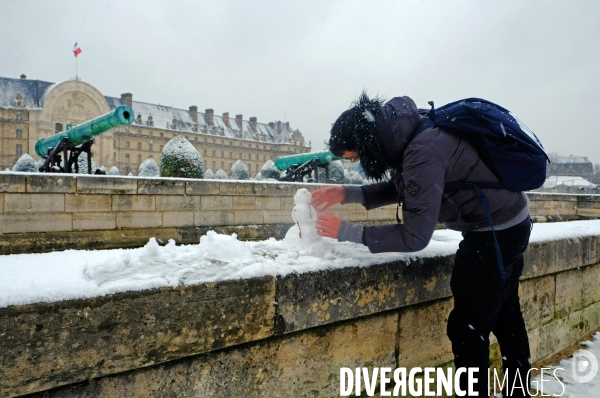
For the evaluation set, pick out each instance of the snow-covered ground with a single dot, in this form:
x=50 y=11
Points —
x=72 y=274
x=573 y=373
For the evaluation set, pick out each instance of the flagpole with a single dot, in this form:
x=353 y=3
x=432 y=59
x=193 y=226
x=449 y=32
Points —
x=76 y=69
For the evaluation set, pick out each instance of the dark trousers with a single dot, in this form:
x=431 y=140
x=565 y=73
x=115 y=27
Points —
x=484 y=303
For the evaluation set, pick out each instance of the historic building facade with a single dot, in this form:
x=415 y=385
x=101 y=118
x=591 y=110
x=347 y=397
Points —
x=34 y=109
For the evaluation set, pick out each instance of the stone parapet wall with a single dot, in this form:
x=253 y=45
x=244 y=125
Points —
x=48 y=212
x=278 y=337
x=40 y=213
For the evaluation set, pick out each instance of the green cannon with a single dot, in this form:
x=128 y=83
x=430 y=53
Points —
x=79 y=139
x=304 y=164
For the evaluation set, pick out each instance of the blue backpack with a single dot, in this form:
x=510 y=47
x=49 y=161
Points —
x=511 y=151
x=507 y=146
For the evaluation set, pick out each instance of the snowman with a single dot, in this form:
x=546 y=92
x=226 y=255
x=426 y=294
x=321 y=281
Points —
x=304 y=215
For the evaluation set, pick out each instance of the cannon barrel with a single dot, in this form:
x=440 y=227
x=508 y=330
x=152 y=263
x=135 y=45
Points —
x=323 y=157
x=82 y=133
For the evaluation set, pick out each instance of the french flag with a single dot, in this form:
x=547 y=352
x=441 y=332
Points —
x=76 y=49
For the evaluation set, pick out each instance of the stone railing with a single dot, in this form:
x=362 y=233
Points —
x=48 y=212
x=42 y=213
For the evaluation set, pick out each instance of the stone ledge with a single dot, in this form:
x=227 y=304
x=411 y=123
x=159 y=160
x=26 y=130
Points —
x=51 y=344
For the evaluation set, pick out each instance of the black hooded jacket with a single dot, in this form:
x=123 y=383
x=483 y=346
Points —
x=419 y=170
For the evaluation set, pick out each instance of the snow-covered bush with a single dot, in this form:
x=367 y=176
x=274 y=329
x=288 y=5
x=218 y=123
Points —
x=25 y=163
x=221 y=175
x=258 y=176
x=336 y=172
x=82 y=163
x=346 y=177
x=114 y=171
x=239 y=171
x=148 y=168
x=209 y=174
x=103 y=169
x=180 y=159
x=356 y=178
x=269 y=170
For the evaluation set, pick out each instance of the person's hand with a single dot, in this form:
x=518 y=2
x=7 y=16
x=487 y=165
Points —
x=328 y=225
x=326 y=197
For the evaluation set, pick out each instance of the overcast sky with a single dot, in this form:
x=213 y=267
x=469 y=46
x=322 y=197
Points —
x=305 y=61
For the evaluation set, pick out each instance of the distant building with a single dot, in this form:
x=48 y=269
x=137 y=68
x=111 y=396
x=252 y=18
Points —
x=570 y=166
x=34 y=109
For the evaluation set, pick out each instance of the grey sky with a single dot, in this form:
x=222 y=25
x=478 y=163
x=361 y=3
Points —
x=305 y=61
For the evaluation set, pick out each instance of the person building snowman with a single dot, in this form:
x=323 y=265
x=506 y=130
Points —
x=413 y=173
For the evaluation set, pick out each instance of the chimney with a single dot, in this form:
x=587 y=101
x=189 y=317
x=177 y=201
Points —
x=279 y=127
x=238 y=121
x=272 y=125
x=23 y=76
x=226 y=119
x=253 y=123
x=208 y=115
x=194 y=113
x=127 y=99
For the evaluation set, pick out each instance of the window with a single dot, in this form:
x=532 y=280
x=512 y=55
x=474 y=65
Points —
x=126 y=169
x=127 y=157
x=139 y=159
x=222 y=154
x=149 y=133
x=230 y=155
x=150 y=147
x=240 y=156
x=58 y=127
x=139 y=146
x=214 y=164
x=204 y=151
x=196 y=139
x=127 y=144
x=19 y=150
x=161 y=147
x=264 y=158
x=19 y=117
x=214 y=153
x=162 y=135
x=222 y=165
x=19 y=133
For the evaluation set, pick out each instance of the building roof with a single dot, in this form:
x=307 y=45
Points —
x=568 y=181
x=29 y=89
x=164 y=117
x=571 y=160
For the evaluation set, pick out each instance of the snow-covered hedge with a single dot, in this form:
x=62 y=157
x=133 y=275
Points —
x=336 y=172
x=269 y=170
x=114 y=171
x=180 y=159
x=221 y=175
x=25 y=163
x=148 y=168
x=209 y=174
x=82 y=164
x=239 y=171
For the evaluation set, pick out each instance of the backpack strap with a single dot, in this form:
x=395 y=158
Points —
x=456 y=185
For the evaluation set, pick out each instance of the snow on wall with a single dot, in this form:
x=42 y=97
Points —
x=72 y=274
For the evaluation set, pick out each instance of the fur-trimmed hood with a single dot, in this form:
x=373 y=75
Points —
x=396 y=121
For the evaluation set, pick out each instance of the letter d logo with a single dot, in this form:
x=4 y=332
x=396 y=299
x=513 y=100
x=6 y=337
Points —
x=584 y=366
